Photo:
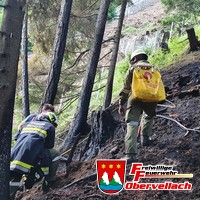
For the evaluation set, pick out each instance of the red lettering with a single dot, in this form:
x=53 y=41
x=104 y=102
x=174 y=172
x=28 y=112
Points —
x=168 y=185
x=135 y=167
x=148 y=186
x=174 y=186
x=138 y=175
x=188 y=186
x=161 y=186
x=129 y=185
x=181 y=186
x=142 y=186
x=157 y=186
x=154 y=186
x=136 y=186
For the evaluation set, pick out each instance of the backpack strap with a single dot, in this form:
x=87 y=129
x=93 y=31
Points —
x=152 y=69
x=139 y=67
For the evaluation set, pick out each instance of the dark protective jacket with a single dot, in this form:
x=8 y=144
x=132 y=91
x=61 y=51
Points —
x=31 y=117
x=32 y=147
x=125 y=93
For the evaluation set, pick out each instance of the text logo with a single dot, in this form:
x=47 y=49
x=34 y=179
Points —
x=111 y=177
x=139 y=171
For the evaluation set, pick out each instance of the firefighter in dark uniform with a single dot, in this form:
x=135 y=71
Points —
x=34 y=147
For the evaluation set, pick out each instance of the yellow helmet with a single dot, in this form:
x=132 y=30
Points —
x=137 y=52
x=51 y=117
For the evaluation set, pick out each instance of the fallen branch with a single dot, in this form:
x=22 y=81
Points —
x=80 y=180
x=183 y=127
x=170 y=104
x=192 y=91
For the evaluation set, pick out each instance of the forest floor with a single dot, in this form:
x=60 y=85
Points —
x=171 y=146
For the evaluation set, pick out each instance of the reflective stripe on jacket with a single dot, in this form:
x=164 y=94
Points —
x=32 y=147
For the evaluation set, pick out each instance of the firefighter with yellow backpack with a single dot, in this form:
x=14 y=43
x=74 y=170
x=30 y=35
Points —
x=143 y=89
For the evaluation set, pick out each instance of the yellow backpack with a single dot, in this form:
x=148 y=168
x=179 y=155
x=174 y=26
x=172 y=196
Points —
x=147 y=85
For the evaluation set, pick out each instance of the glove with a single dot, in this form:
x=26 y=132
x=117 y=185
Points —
x=45 y=185
x=29 y=181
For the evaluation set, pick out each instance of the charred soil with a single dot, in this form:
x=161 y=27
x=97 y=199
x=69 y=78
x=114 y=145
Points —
x=171 y=146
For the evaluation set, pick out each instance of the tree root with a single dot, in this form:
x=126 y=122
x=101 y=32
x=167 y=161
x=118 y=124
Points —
x=80 y=180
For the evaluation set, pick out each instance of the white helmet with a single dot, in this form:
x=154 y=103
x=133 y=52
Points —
x=137 y=52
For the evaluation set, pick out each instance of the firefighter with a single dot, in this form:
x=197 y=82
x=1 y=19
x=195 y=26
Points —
x=31 y=117
x=135 y=108
x=34 y=147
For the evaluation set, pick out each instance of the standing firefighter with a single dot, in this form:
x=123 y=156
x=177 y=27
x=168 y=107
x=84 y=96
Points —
x=143 y=88
x=33 y=153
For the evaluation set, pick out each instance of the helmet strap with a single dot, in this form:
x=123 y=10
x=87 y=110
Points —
x=134 y=60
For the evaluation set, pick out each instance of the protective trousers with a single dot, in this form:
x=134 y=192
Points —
x=134 y=110
x=53 y=166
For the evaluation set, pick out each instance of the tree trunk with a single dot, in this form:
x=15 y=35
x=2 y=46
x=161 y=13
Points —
x=109 y=87
x=58 y=53
x=79 y=123
x=24 y=52
x=10 y=38
x=102 y=129
x=194 y=43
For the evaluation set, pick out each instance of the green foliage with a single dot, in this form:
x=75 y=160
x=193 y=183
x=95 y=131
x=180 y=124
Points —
x=1 y=16
x=188 y=9
x=123 y=65
x=177 y=46
x=120 y=74
x=30 y=46
x=43 y=23
x=141 y=29
x=43 y=16
x=171 y=18
x=127 y=30
x=182 y=5
x=112 y=9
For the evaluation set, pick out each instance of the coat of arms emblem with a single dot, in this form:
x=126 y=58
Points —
x=111 y=175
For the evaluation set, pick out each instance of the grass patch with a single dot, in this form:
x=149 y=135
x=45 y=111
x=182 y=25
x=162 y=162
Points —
x=1 y=16
x=177 y=46
x=128 y=30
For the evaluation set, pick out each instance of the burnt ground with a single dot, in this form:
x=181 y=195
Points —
x=171 y=146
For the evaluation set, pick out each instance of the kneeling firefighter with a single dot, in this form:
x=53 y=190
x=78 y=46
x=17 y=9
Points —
x=33 y=152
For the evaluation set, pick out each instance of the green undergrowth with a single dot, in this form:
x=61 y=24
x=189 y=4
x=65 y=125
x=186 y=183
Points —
x=177 y=45
x=1 y=16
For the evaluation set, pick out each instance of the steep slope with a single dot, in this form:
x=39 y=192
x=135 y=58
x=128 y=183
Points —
x=171 y=147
